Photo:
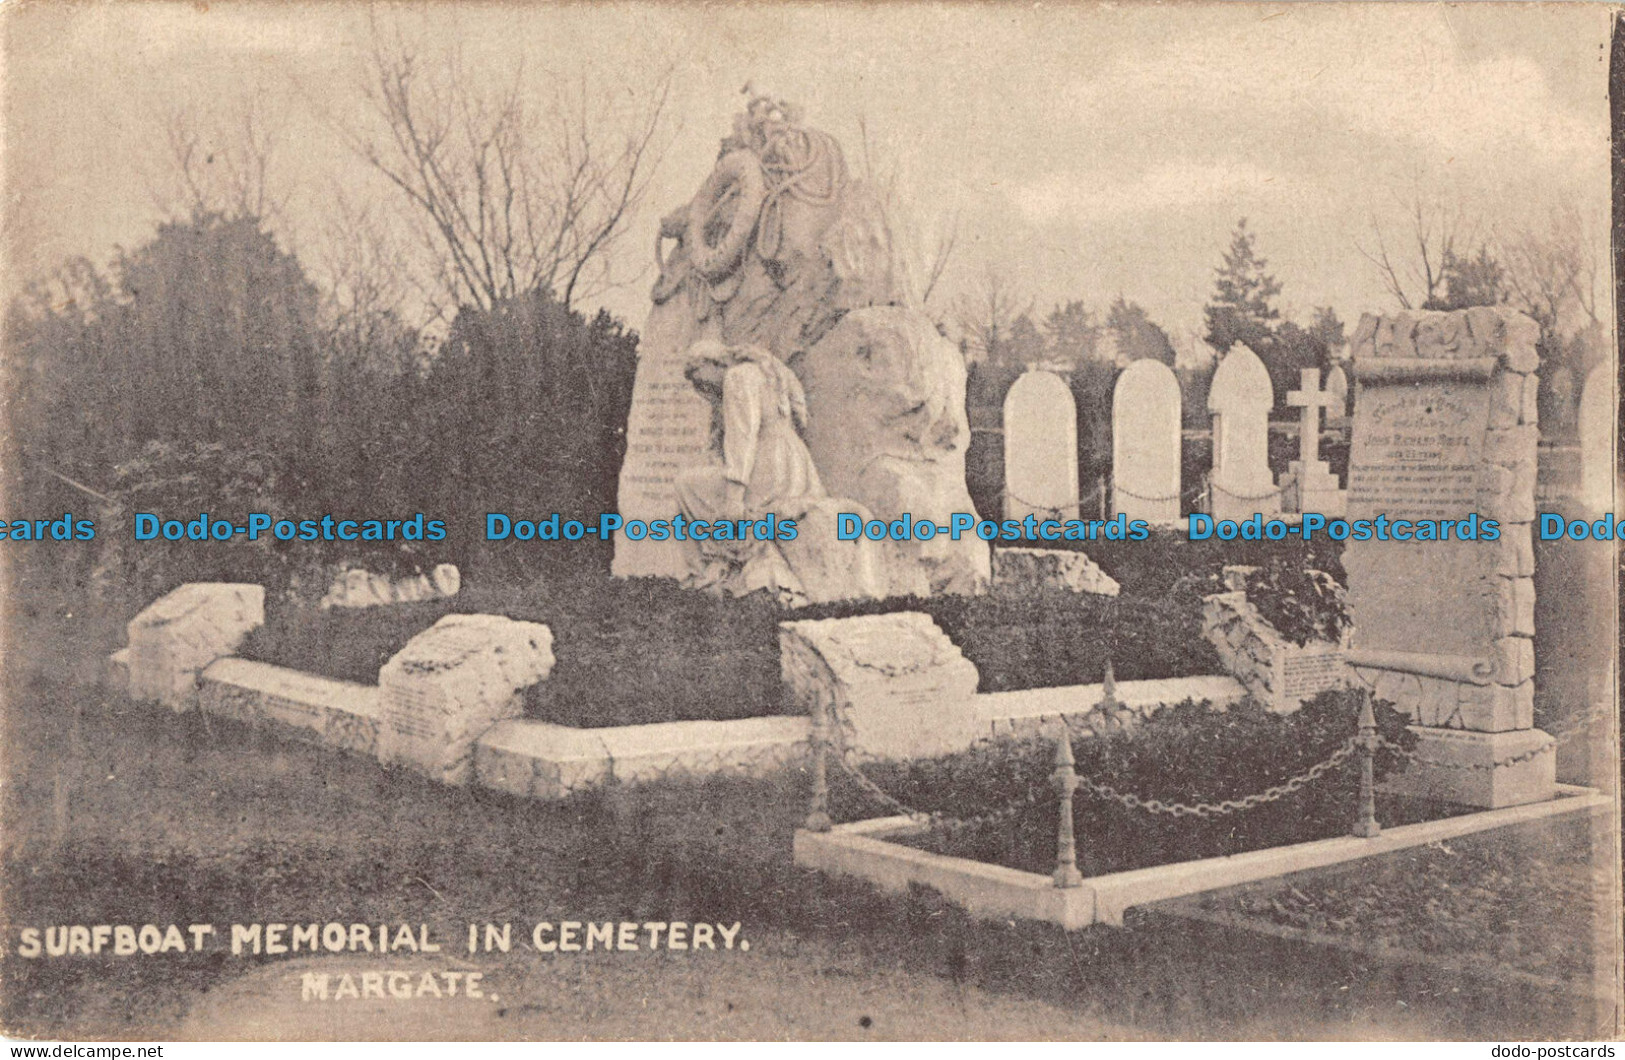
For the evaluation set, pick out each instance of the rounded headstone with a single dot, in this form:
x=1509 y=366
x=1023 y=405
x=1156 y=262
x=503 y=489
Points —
x=1040 y=448
x=1146 y=406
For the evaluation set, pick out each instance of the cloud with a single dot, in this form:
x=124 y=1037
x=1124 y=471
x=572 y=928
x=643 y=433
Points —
x=1172 y=185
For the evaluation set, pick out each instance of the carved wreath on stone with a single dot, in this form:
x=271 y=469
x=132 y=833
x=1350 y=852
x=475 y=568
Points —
x=769 y=158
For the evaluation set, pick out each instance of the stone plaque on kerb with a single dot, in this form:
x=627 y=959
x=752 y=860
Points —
x=450 y=684
x=1444 y=431
x=184 y=631
x=1145 y=442
x=881 y=686
x=1040 y=448
x=668 y=430
x=1240 y=398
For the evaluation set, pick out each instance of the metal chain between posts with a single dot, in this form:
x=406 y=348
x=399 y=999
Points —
x=1057 y=510
x=1228 y=806
x=1125 y=491
x=935 y=818
x=1274 y=491
x=1128 y=800
x=1474 y=767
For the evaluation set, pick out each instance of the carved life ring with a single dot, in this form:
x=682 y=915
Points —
x=737 y=178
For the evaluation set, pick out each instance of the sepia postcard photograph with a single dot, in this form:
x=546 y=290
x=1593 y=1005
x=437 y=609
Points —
x=649 y=521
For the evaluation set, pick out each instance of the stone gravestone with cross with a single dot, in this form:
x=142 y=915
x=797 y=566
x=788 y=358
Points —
x=1145 y=442
x=1316 y=485
x=1240 y=398
x=1040 y=448
x=1444 y=428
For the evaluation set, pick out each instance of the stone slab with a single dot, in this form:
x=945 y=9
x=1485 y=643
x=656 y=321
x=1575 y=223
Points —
x=184 y=631
x=1464 y=775
x=321 y=710
x=668 y=431
x=1028 y=569
x=895 y=684
x=1279 y=674
x=988 y=892
x=539 y=760
x=451 y=683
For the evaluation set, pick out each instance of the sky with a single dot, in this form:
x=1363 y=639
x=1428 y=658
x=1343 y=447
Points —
x=1081 y=151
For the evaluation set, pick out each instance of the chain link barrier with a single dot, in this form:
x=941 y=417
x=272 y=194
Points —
x=1129 y=800
x=936 y=819
x=1202 y=810
x=1206 y=810
x=1054 y=511
x=1273 y=491
x=1125 y=491
x=1569 y=731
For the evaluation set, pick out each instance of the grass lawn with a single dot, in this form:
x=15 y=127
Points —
x=1524 y=900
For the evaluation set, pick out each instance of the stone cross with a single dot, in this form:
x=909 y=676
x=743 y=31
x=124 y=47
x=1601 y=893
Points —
x=1310 y=399
x=1316 y=485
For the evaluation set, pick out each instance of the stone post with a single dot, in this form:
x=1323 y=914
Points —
x=1066 y=782
x=882 y=686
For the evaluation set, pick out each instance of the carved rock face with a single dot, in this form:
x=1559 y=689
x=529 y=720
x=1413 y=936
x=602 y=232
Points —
x=887 y=427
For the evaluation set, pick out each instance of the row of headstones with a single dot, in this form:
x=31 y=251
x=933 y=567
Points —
x=1041 y=443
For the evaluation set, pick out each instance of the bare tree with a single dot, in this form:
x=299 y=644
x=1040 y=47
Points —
x=1552 y=270
x=366 y=273
x=221 y=165
x=925 y=249
x=988 y=316
x=512 y=197
x=1411 y=257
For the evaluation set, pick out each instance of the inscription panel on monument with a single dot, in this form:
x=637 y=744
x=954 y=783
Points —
x=1303 y=674
x=1417 y=454
x=1417 y=451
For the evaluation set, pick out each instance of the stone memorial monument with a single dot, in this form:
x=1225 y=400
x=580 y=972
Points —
x=1444 y=429
x=1146 y=409
x=764 y=475
x=782 y=249
x=1240 y=398
x=1040 y=448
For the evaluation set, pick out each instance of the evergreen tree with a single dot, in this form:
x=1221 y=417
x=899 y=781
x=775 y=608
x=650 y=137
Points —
x=1241 y=309
x=1470 y=282
x=1136 y=334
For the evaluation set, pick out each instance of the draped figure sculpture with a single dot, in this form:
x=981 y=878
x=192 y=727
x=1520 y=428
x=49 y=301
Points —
x=761 y=468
